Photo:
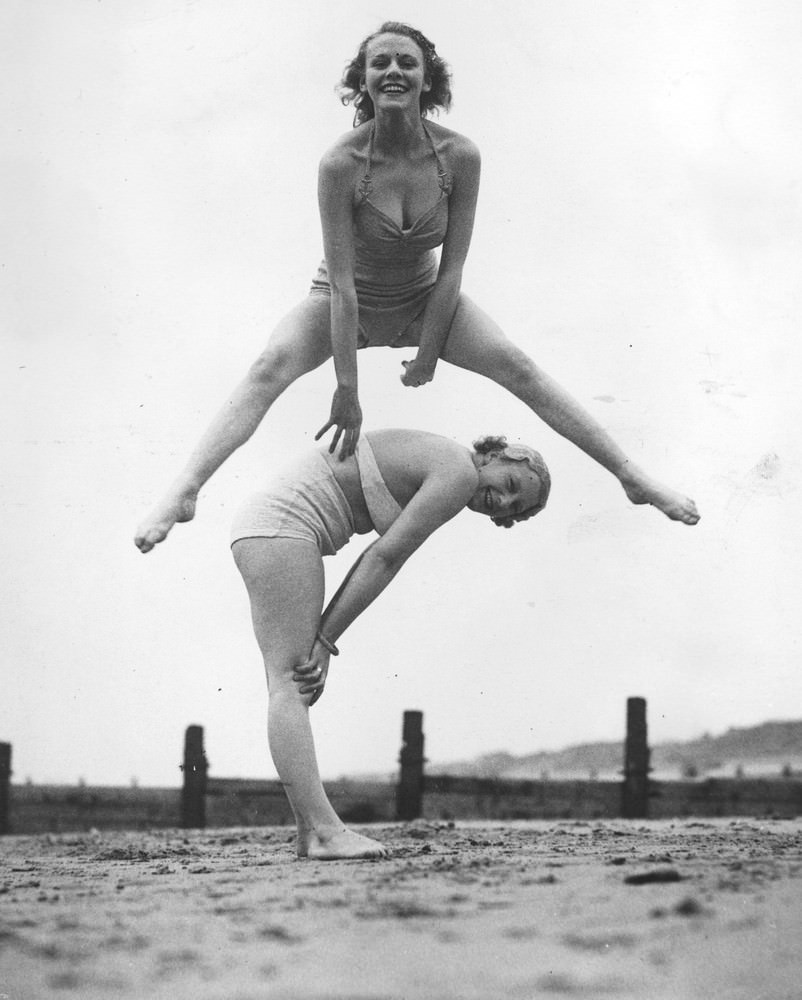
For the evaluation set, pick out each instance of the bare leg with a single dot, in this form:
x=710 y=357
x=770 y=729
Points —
x=477 y=344
x=284 y=577
x=300 y=343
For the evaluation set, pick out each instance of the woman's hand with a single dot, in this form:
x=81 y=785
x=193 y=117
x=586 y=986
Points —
x=311 y=676
x=417 y=372
x=346 y=416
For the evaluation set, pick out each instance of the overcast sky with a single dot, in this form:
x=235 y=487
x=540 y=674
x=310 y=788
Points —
x=638 y=233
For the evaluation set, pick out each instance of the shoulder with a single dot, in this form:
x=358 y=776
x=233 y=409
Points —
x=430 y=459
x=460 y=150
x=431 y=477
x=425 y=445
x=346 y=153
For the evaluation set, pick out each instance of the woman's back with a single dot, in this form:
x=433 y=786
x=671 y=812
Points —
x=405 y=458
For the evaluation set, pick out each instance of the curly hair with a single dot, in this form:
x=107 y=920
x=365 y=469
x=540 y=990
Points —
x=496 y=446
x=436 y=73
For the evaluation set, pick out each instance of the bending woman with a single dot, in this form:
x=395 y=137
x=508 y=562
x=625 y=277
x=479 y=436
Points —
x=404 y=484
x=390 y=191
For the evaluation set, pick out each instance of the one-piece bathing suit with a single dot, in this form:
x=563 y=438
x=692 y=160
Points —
x=306 y=501
x=395 y=268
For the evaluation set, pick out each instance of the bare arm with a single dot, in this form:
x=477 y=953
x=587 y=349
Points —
x=466 y=164
x=335 y=197
x=442 y=495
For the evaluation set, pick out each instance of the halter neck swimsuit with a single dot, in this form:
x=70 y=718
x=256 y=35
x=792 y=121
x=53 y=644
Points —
x=395 y=268
x=382 y=505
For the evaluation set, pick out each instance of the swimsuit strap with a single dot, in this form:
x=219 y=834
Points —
x=382 y=505
x=444 y=179
x=366 y=184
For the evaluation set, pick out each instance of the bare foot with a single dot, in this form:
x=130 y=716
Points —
x=337 y=845
x=640 y=488
x=176 y=506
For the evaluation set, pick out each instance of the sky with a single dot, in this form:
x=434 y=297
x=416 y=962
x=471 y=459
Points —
x=638 y=234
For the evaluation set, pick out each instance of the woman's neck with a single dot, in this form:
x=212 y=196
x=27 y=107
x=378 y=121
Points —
x=396 y=134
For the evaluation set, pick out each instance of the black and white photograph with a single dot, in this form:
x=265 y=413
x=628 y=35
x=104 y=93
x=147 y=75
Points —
x=400 y=495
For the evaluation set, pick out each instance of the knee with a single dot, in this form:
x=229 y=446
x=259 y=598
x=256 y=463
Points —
x=273 y=369
x=284 y=692
x=286 y=698
x=514 y=370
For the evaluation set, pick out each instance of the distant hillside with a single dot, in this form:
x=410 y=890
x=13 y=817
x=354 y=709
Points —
x=765 y=749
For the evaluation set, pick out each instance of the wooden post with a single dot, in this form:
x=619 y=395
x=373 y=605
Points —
x=195 y=767
x=5 y=787
x=409 y=794
x=635 y=790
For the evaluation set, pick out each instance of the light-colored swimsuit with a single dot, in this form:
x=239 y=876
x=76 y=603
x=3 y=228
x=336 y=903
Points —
x=305 y=501
x=395 y=268
x=382 y=505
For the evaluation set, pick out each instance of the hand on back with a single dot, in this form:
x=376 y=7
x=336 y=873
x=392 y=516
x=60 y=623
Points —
x=346 y=417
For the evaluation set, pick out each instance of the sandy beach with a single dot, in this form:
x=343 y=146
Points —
x=654 y=910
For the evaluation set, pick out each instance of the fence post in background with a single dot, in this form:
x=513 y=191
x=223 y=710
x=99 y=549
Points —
x=409 y=794
x=5 y=786
x=635 y=790
x=193 y=794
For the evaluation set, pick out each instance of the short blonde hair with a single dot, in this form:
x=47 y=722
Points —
x=496 y=446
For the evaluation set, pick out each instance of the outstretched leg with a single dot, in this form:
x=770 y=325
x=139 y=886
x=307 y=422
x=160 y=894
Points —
x=300 y=343
x=284 y=577
x=477 y=344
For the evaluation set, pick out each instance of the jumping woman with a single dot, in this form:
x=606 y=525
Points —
x=391 y=191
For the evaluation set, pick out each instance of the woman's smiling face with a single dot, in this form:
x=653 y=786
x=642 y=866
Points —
x=395 y=71
x=507 y=491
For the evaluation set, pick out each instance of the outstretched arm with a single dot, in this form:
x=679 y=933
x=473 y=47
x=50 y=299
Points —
x=466 y=166
x=439 y=498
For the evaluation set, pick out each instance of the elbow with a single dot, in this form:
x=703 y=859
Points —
x=450 y=277
x=387 y=562
x=343 y=287
x=344 y=307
